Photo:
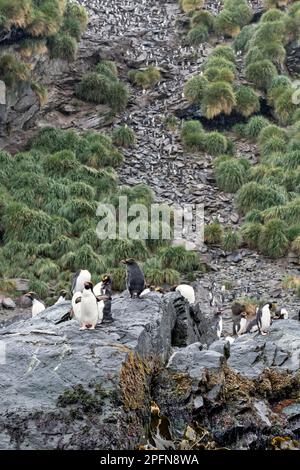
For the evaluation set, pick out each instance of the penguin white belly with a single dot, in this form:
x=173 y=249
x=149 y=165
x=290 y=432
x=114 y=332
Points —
x=220 y=328
x=98 y=289
x=265 y=319
x=284 y=313
x=89 y=311
x=100 y=311
x=187 y=292
x=60 y=300
x=242 y=327
x=230 y=339
x=76 y=306
x=37 y=308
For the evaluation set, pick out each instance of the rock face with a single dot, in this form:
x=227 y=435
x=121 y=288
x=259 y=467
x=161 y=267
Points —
x=243 y=401
x=62 y=388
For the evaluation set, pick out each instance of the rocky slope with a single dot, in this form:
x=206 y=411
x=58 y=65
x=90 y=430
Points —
x=64 y=388
x=71 y=389
x=134 y=35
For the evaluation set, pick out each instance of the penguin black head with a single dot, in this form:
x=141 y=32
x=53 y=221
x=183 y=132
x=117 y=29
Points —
x=31 y=295
x=88 y=286
x=159 y=290
x=219 y=312
x=63 y=293
x=173 y=288
x=106 y=279
x=243 y=315
x=128 y=261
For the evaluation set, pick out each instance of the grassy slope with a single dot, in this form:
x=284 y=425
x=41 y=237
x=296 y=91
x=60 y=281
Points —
x=268 y=194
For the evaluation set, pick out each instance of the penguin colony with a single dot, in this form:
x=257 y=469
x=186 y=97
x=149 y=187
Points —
x=91 y=305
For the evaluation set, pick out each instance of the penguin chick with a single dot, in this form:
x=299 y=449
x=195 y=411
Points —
x=135 y=278
x=263 y=318
x=89 y=314
x=37 y=305
x=186 y=291
x=82 y=276
x=240 y=326
x=62 y=297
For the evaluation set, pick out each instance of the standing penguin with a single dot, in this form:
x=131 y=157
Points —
x=82 y=276
x=263 y=318
x=135 y=278
x=223 y=294
x=240 y=325
x=219 y=323
x=89 y=314
x=37 y=305
x=103 y=292
x=186 y=291
x=62 y=297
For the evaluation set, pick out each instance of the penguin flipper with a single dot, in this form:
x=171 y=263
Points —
x=102 y=297
x=67 y=316
x=74 y=280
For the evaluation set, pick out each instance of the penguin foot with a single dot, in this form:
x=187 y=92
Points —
x=108 y=320
x=87 y=326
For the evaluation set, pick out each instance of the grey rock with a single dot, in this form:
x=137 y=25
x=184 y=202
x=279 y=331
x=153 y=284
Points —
x=194 y=360
x=221 y=346
x=8 y=303
x=198 y=402
x=250 y=355
x=111 y=367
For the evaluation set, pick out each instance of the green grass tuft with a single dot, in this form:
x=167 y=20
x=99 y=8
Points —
x=261 y=73
x=273 y=241
x=213 y=233
x=198 y=35
x=230 y=175
x=215 y=143
x=123 y=136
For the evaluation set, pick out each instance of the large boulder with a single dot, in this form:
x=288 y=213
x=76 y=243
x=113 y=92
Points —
x=239 y=396
x=250 y=355
x=62 y=388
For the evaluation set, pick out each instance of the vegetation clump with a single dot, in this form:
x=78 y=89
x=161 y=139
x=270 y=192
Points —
x=102 y=86
x=147 y=78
